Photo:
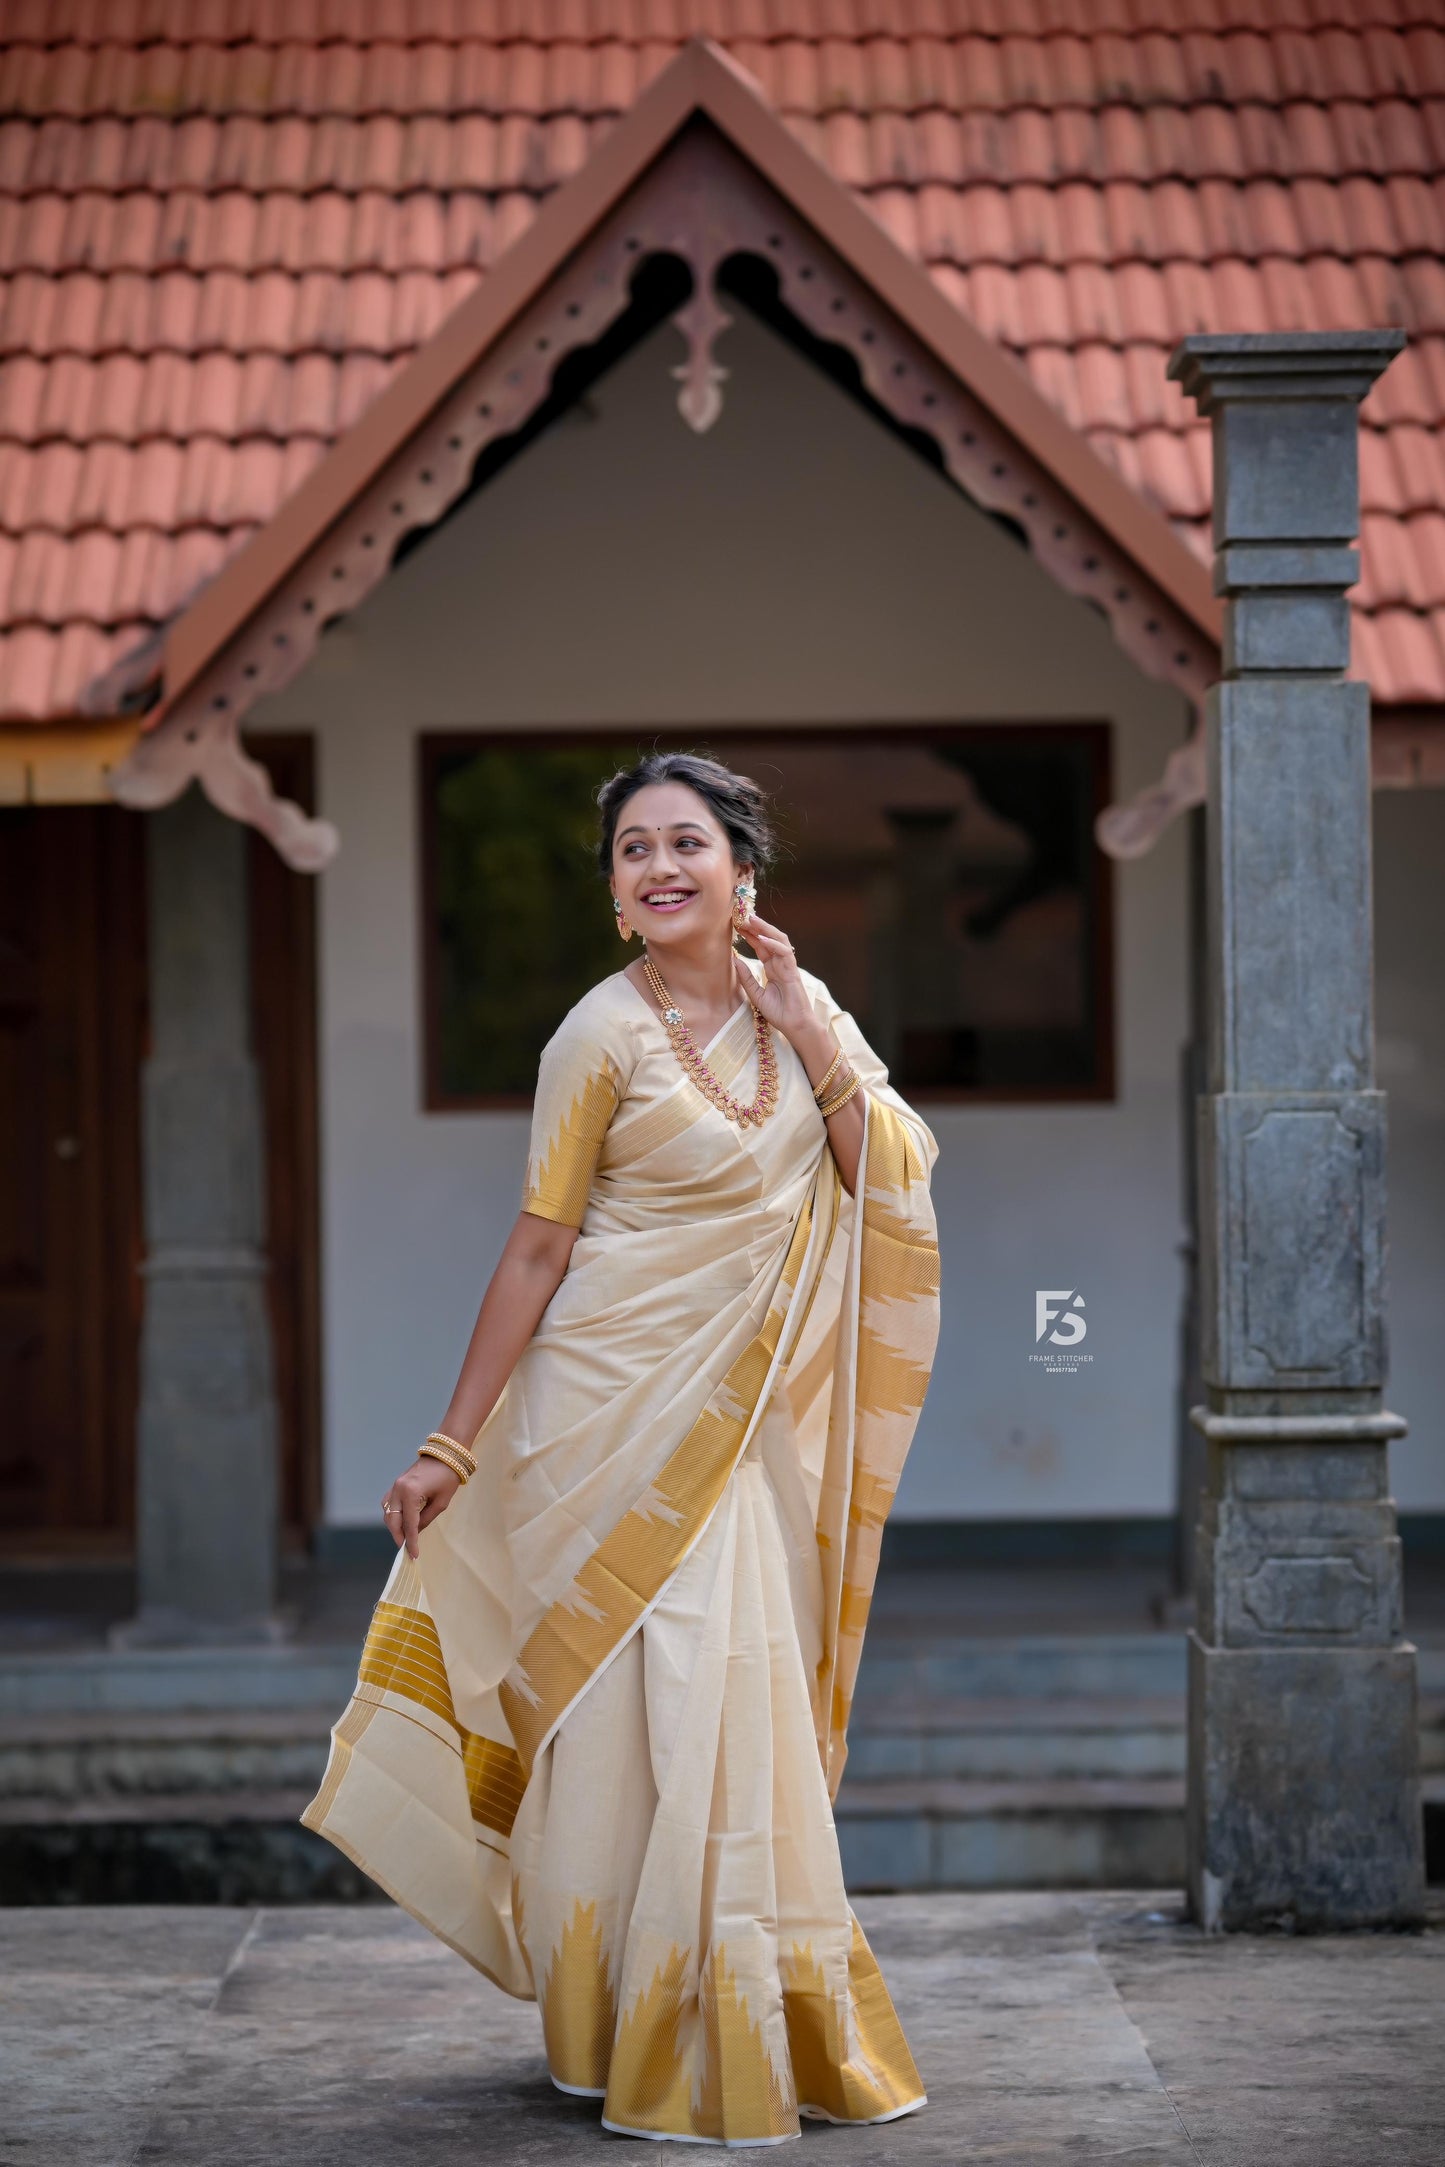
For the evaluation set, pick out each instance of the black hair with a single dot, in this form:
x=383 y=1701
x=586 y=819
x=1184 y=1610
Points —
x=739 y=804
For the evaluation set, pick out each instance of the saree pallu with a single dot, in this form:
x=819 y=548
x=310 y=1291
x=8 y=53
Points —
x=601 y=1719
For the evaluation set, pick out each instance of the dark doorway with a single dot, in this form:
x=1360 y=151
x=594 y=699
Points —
x=72 y=1044
x=72 y=996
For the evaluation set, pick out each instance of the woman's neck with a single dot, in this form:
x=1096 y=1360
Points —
x=704 y=982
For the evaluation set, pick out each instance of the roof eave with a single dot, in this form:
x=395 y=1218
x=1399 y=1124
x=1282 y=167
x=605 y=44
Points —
x=702 y=79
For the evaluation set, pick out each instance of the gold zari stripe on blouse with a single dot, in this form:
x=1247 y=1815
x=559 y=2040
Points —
x=634 y=1561
x=403 y=1655
x=558 y=1187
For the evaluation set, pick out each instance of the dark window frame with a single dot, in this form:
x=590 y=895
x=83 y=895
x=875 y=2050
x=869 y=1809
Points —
x=1094 y=733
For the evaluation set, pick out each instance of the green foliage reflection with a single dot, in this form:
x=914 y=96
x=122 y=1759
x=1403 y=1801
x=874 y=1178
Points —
x=524 y=923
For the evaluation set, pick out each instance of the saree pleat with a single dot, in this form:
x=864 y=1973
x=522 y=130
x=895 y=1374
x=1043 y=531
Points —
x=600 y=1721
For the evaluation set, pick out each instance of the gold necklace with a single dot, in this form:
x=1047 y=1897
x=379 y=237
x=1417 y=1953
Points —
x=694 y=1066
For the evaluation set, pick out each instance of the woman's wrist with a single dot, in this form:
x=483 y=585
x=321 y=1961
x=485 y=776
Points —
x=816 y=1048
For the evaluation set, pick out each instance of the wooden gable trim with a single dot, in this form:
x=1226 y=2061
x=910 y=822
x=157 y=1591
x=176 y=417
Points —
x=701 y=79
x=738 y=184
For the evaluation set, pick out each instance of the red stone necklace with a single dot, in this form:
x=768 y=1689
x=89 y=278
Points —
x=693 y=1064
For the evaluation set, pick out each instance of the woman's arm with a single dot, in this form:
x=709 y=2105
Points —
x=816 y=1048
x=529 y=1272
x=784 y=1000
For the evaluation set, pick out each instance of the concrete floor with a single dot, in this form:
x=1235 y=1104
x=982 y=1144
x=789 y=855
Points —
x=1049 y=2028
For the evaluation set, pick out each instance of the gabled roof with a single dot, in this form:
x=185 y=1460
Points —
x=226 y=225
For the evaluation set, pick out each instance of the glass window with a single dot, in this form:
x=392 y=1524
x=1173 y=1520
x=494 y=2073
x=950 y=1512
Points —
x=943 y=881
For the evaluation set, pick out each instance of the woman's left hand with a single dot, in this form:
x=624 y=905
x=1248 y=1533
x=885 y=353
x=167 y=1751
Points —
x=782 y=998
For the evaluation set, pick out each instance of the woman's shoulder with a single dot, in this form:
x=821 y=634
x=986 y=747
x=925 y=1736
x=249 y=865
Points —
x=602 y=1024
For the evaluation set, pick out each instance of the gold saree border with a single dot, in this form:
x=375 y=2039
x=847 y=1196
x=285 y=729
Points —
x=688 y=2059
x=695 y=2014
x=618 y=1584
x=402 y=1654
x=879 y=2078
x=897 y=1319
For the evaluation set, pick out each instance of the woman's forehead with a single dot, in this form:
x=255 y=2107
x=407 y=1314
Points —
x=667 y=805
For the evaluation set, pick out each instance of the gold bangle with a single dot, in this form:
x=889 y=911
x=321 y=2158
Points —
x=440 y=1437
x=820 y=1088
x=452 y=1460
x=834 y=1104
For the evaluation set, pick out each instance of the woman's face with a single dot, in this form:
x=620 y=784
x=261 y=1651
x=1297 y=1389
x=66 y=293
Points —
x=672 y=867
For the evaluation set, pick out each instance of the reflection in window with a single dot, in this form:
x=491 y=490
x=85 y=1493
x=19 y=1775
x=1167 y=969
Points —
x=944 y=882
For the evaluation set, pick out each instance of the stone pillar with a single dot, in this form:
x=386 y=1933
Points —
x=1304 y=1796
x=1177 y=1607
x=206 y=1534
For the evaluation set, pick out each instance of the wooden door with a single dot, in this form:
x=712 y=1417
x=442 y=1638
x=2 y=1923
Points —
x=72 y=944
x=72 y=1040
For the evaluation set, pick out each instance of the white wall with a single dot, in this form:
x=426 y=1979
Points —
x=1409 y=900
x=794 y=565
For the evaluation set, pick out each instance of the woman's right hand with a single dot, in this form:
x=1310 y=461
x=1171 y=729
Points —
x=418 y=1497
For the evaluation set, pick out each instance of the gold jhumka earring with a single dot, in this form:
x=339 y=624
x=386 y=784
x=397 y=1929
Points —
x=744 y=896
x=623 y=927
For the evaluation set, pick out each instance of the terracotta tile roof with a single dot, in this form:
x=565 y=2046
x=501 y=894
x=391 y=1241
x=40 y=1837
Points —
x=225 y=224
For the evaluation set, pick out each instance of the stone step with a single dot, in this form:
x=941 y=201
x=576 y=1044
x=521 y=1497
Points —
x=245 y=1847
x=1017 y=1739
x=949 y=1833
x=73 y=1681
x=924 y=1665
x=106 y=1754
x=1037 y=1738
x=1151 y=1665
x=917 y=1665
x=233 y=1847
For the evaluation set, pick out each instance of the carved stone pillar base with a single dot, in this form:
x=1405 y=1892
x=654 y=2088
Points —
x=1304 y=1780
x=1304 y=1788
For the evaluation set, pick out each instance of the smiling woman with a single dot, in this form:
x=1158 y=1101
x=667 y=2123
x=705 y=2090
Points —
x=602 y=1709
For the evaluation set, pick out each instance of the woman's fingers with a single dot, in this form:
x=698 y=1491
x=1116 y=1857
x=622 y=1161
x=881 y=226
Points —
x=414 y=1500
x=411 y=1505
x=772 y=933
x=746 y=979
x=775 y=950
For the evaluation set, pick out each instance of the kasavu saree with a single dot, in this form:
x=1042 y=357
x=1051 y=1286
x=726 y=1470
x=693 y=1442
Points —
x=601 y=1718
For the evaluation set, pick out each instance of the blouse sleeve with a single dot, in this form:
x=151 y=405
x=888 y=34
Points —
x=580 y=1081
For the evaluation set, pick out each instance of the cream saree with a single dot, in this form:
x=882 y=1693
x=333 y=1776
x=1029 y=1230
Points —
x=601 y=1719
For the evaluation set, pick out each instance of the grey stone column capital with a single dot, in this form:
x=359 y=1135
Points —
x=1286 y=496
x=1215 y=367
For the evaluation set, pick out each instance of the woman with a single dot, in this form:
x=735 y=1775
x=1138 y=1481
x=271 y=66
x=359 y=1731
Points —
x=602 y=1706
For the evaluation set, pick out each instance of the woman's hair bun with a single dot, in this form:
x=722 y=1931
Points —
x=739 y=804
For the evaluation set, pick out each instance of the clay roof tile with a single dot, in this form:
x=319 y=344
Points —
x=224 y=224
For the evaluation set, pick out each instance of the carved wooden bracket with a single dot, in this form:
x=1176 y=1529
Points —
x=702 y=202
